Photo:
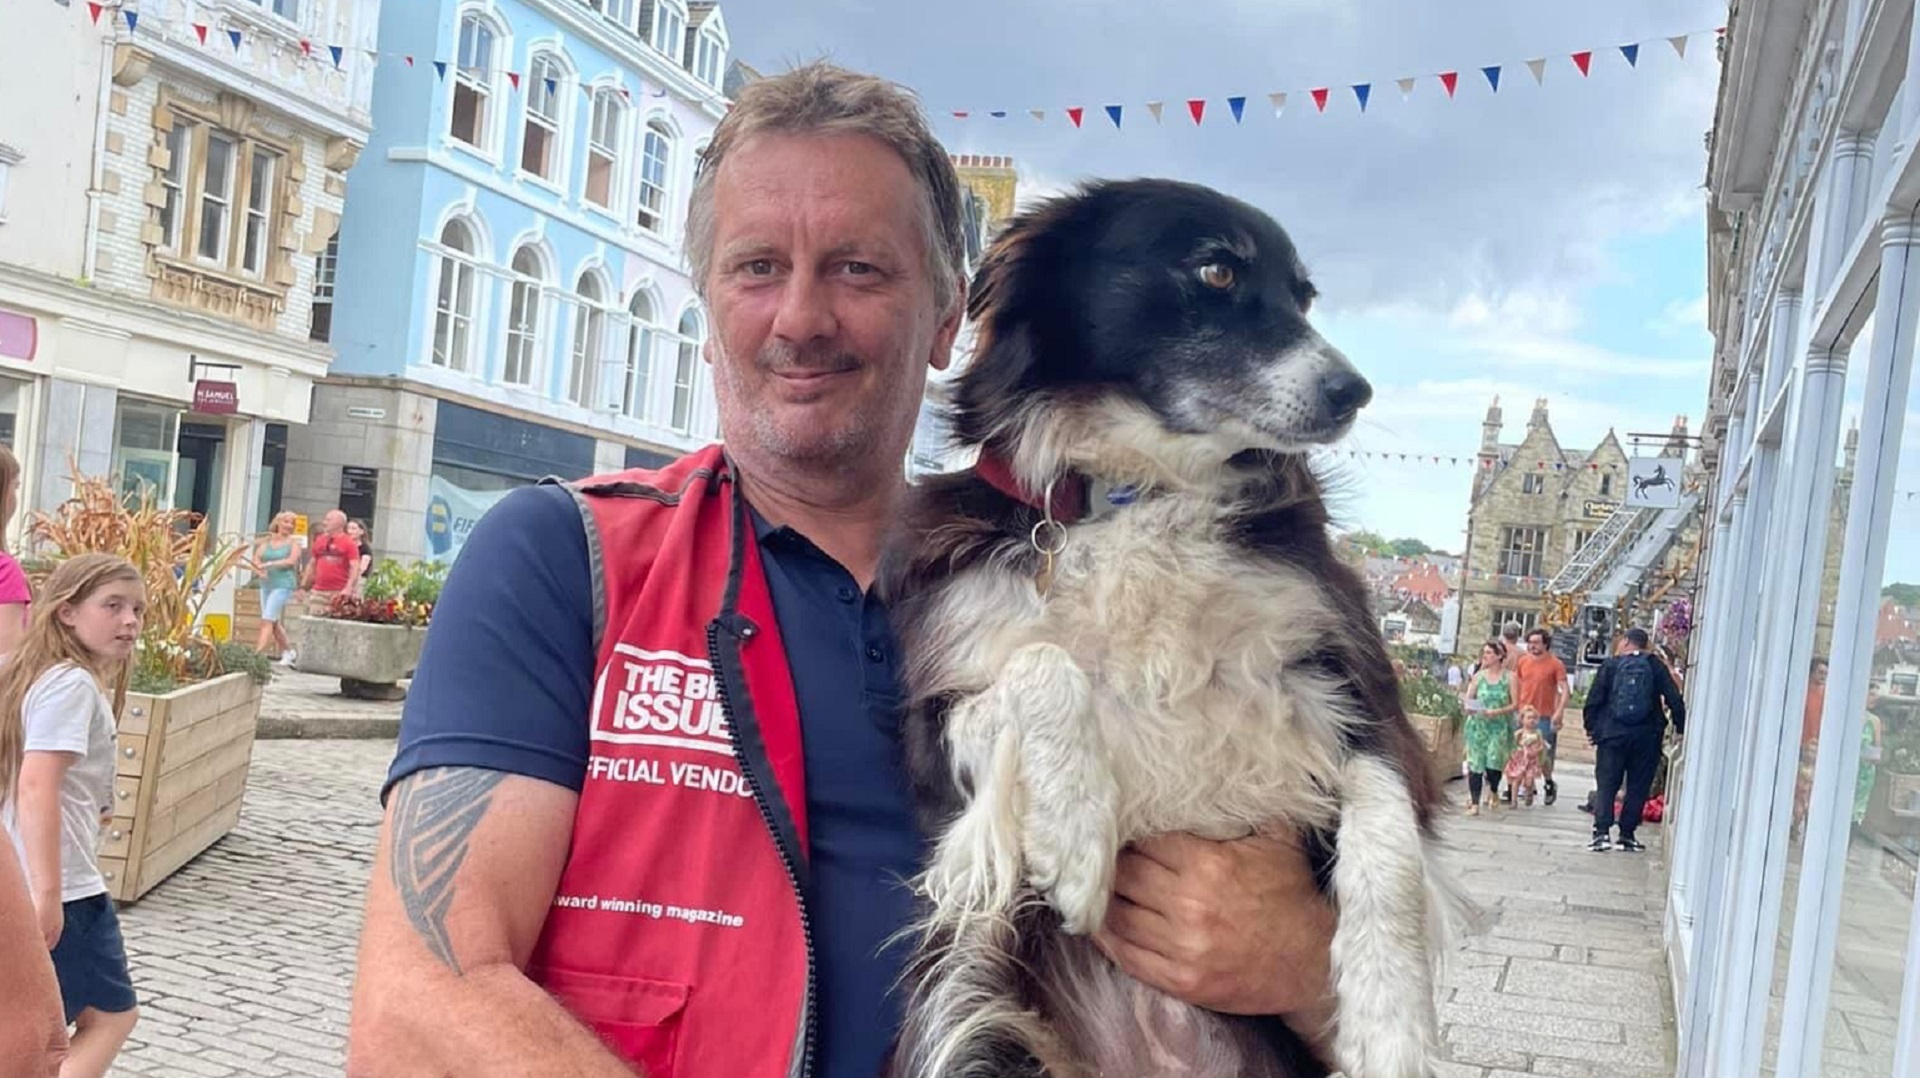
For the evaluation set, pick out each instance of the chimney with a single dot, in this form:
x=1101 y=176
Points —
x=1539 y=417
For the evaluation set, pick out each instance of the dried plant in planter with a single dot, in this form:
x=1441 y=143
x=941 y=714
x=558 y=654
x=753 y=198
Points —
x=182 y=562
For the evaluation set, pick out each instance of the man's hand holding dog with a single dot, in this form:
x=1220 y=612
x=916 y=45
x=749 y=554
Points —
x=1236 y=927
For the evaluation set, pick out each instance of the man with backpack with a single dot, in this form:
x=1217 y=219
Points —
x=1624 y=719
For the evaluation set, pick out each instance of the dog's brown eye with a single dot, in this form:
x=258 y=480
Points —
x=1216 y=275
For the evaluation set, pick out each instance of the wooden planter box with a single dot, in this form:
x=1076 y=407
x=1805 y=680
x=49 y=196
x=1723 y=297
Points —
x=1446 y=746
x=370 y=660
x=182 y=774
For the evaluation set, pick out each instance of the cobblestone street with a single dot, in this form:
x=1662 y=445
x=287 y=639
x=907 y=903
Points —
x=244 y=959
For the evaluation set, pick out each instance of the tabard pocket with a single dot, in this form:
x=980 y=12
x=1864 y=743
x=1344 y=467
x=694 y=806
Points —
x=636 y=1017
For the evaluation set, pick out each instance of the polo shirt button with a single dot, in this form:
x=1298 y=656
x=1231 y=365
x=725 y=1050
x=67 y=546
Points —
x=847 y=594
x=876 y=655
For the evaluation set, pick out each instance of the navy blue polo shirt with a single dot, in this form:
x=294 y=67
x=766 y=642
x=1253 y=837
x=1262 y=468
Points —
x=505 y=682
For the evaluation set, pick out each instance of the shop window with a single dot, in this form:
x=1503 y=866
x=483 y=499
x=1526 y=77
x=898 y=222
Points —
x=144 y=440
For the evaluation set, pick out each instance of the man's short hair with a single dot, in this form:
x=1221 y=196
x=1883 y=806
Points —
x=824 y=99
x=1511 y=630
x=1639 y=639
x=1546 y=638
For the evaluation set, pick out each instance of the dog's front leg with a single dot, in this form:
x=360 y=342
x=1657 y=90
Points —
x=1386 y=1025
x=1070 y=830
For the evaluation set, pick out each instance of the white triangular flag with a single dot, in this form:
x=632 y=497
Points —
x=1038 y=114
x=1679 y=45
x=1278 y=101
x=1539 y=69
x=1406 y=87
x=1154 y=107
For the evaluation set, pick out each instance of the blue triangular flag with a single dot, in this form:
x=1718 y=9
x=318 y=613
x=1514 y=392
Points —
x=551 y=86
x=1493 y=76
x=133 y=20
x=1113 y=113
x=998 y=114
x=337 y=52
x=1632 y=53
x=234 y=36
x=1363 y=91
x=440 y=68
x=1238 y=105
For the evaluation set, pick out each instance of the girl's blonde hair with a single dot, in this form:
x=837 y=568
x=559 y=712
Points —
x=50 y=642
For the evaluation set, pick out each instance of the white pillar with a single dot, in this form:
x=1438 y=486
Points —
x=1857 y=607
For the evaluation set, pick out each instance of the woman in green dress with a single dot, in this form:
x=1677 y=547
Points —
x=1490 y=709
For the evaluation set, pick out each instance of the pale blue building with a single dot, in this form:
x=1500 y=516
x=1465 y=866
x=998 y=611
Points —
x=508 y=293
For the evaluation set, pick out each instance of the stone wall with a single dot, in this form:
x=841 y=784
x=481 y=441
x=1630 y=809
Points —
x=399 y=442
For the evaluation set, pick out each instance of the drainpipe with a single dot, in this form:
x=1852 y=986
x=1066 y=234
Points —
x=96 y=183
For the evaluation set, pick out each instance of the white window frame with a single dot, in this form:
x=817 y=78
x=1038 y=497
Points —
x=204 y=199
x=530 y=330
x=284 y=10
x=256 y=247
x=481 y=80
x=326 y=269
x=654 y=128
x=589 y=345
x=668 y=34
x=465 y=265
x=543 y=66
x=176 y=185
x=643 y=337
x=686 y=370
x=706 y=58
x=613 y=154
x=1531 y=555
x=622 y=13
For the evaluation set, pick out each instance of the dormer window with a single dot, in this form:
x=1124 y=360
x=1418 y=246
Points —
x=669 y=27
x=706 y=60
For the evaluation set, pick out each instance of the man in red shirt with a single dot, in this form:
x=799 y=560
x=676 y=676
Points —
x=333 y=562
x=1543 y=687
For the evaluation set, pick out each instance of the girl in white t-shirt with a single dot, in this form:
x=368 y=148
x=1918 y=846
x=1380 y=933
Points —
x=56 y=787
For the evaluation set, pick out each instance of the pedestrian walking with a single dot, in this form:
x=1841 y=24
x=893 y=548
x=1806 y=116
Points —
x=276 y=558
x=56 y=788
x=649 y=806
x=1626 y=722
x=1490 y=709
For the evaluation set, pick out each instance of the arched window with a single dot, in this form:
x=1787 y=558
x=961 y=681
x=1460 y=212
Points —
x=471 y=118
x=541 y=147
x=655 y=154
x=693 y=334
x=605 y=136
x=640 y=337
x=454 y=300
x=589 y=338
x=524 y=310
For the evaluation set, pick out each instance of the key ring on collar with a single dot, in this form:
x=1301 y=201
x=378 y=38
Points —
x=1055 y=531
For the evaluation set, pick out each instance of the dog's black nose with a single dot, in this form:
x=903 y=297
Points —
x=1345 y=393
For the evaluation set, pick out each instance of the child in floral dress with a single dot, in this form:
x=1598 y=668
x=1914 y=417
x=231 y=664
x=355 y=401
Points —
x=1523 y=767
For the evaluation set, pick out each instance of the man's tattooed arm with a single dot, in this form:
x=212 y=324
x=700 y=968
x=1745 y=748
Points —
x=434 y=815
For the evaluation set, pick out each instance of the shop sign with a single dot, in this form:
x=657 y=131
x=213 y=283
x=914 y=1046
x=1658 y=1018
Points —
x=19 y=336
x=216 y=398
x=1600 y=510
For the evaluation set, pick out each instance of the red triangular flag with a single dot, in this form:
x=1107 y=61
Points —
x=93 y=12
x=1583 y=60
x=409 y=60
x=200 y=29
x=1074 y=113
x=1451 y=80
x=1320 y=98
x=306 y=47
x=1196 y=108
x=514 y=77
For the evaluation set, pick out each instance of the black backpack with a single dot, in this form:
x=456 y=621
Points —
x=1630 y=699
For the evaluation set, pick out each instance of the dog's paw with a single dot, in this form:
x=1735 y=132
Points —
x=1073 y=867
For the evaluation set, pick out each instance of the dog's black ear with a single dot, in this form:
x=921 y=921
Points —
x=1006 y=296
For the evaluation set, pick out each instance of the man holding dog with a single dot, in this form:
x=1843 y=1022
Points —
x=624 y=830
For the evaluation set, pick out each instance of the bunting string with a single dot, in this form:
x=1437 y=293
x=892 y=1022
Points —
x=119 y=18
x=1581 y=65
x=1475 y=461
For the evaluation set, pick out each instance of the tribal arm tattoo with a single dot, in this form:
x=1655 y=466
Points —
x=434 y=815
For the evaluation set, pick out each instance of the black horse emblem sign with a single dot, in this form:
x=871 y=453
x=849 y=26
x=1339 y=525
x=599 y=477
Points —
x=1654 y=480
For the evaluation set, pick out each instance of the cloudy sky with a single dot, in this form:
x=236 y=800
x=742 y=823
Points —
x=1542 y=241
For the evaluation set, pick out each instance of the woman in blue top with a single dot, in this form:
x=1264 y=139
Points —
x=276 y=557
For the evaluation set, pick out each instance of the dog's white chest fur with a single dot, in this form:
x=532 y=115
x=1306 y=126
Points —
x=1211 y=721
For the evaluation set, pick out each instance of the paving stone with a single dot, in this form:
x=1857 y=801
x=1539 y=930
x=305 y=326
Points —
x=1524 y=1020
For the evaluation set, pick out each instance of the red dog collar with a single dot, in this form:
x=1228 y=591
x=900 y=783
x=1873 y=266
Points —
x=1069 y=498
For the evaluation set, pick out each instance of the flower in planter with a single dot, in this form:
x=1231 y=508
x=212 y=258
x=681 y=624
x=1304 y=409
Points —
x=394 y=594
x=181 y=561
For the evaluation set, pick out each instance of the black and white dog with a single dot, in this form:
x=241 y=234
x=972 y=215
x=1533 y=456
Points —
x=1128 y=619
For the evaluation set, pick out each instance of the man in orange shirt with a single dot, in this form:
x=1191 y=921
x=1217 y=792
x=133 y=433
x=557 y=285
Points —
x=1543 y=687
